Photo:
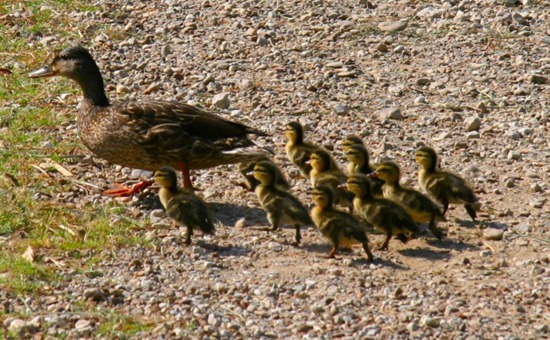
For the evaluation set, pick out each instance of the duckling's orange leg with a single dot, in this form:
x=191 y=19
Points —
x=121 y=190
x=186 y=177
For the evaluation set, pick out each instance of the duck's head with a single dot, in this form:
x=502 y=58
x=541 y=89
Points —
x=74 y=63
x=426 y=157
x=357 y=154
x=294 y=132
x=266 y=172
x=320 y=160
x=388 y=171
x=323 y=196
x=166 y=177
x=350 y=141
x=360 y=185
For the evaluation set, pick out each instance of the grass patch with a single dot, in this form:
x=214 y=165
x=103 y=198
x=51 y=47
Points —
x=33 y=119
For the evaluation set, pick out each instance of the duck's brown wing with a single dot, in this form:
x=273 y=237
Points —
x=173 y=118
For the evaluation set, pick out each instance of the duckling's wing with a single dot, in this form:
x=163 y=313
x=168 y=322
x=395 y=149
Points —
x=419 y=202
x=189 y=210
x=449 y=187
x=289 y=205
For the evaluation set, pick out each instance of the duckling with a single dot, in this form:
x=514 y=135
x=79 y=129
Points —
x=341 y=228
x=298 y=151
x=183 y=206
x=359 y=163
x=252 y=183
x=419 y=206
x=325 y=171
x=280 y=205
x=150 y=134
x=352 y=140
x=445 y=187
x=386 y=216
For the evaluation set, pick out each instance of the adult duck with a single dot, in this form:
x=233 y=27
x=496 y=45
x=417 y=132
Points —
x=149 y=134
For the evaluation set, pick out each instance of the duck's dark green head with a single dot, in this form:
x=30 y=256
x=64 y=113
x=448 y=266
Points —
x=76 y=63
x=72 y=63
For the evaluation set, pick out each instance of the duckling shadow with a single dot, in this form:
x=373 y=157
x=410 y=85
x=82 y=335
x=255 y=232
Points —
x=467 y=224
x=378 y=261
x=429 y=254
x=222 y=251
x=452 y=245
x=228 y=214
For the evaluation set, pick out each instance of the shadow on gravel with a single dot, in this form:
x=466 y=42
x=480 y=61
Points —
x=428 y=254
x=451 y=244
x=467 y=224
x=231 y=250
x=228 y=214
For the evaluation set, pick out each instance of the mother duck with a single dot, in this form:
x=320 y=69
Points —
x=149 y=134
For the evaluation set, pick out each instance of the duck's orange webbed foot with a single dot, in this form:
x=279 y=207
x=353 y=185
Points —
x=122 y=191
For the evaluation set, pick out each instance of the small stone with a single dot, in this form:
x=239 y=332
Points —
x=94 y=294
x=523 y=228
x=221 y=287
x=262 y=41
x=275 y=246
x=341 y=109
x=472 y=135
x=382 y=47
x=152 y=88
x=389 y=113
x=157 y=215
x=317 y=309
x=545 y=40
x=245 y=84
x=412 y=326
x=514 y=155
x=241 y=223
x=395 y=90
x=16 y=326
x=213 y=320
x=121 y=89
x=482 y=107
x=472 y=123
x=540 y=328
x=485 y=253
x=221 y=100
x=493 y=234
x=420 y=100
x=393 y=26
x=538 y=79
x=510 y=183
x=423 y=81
x=82 y=324
x=536 y=187
x=430 y=322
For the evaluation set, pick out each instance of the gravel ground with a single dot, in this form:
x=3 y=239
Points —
x=469 y=78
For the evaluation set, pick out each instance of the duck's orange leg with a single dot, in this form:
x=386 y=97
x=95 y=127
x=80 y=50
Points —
x=186 y=177
x=121 y=190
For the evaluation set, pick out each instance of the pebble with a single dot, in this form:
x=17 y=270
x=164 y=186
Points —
x=472 y=123
x=221 y=101
x=514 y=155
x=82 y=325
x=389 y=113
x=393 y=26
x=493 y=234
x=341 y=109
x=157 y=215
x=15 y=326
x=275 y=246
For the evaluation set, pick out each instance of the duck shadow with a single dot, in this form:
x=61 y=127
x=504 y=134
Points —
x=467 y=224
x=342 y=253
x=450 y=244
x=224 y=251
x=425 y=253
x=228 y=214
